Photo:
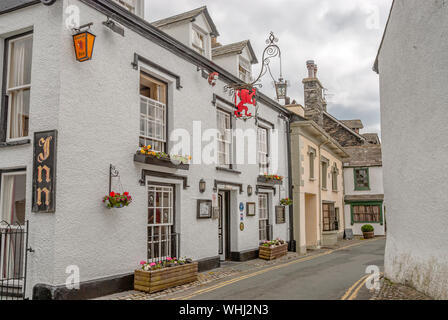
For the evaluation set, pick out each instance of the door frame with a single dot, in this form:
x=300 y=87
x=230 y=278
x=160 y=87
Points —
x=224 y=196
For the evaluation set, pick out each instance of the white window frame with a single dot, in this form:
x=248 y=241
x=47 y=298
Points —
x=264 y=217
x=2 y=187
x=157 y=105
x=221 y=138
x=245 y=65
x=263 y=150
x=10 y=91
x=170 y=225
x=203 y=50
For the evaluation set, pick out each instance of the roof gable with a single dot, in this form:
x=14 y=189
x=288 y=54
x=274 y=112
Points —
x=188 y=16
x=235 y=48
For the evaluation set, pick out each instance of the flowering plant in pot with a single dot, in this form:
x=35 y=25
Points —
x=273 y=243
x=286 y=202
x=368 y=231
x=169 y=262
x=117 y=200
x=175 y=158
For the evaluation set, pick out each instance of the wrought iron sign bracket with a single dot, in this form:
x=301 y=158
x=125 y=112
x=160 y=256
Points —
x=113 y=173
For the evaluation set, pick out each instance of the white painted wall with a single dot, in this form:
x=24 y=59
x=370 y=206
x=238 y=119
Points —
x=95 y=107
x=413 y=67
x=376 y=188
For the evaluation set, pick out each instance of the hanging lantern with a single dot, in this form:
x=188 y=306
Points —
x=84 y=42
x=280 y=88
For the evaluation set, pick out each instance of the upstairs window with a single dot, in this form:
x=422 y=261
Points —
x=334 y=177
x=263 y=147
x=128 y=4
x=312 y=157
x=244 y=70
x=18 y=85
x=224 y=138
x=153 y=126
x=361 y=176
x=198 y=41
x=324 y=173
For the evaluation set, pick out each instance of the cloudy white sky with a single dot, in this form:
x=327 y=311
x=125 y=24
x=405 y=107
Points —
x=342 y=36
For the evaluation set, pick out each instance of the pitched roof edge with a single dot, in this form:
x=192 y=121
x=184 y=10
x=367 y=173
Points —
x=344 y=126
x=375 y=65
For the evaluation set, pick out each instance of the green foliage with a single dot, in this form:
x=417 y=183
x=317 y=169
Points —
x=367 y=228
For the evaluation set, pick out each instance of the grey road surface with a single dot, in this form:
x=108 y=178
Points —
x=326 y=277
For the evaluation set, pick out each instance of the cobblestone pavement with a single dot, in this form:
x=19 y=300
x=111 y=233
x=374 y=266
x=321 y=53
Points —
x=227 y=270
x=394 y=291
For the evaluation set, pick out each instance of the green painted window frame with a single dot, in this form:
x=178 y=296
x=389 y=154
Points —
x=359 y=188
x=367 y=203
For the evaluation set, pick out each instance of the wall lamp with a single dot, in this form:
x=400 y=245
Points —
x=202 y=185
x=115 y=27
x=249 y=190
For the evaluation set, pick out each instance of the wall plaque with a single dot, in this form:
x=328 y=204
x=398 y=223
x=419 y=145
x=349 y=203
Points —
x=44 y=171
x=280 y=216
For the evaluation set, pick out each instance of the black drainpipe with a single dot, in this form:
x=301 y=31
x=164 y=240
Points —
x=292 y=241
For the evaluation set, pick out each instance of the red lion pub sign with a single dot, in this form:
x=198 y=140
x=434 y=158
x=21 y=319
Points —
x=44 y=171
x=245 y=98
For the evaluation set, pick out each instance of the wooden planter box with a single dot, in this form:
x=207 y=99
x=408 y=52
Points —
x=268 y=253
x=368 y=235
x=158 y=280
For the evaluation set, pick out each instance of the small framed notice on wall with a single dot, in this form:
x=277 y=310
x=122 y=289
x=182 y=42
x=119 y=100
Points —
x=204 y=209
x=250 y=209
x=280 y=215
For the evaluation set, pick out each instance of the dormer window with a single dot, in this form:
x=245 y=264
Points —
x=128 y=4
x=244 y=70
x=198 y=41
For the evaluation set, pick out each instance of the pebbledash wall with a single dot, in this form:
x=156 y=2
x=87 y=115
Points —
x=95 y=108
x=413 y=68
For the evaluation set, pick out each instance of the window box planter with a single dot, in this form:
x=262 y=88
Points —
x=161 y=279
x=270 y=180
x=271 y=253
x=368 y=232
x=147 y=159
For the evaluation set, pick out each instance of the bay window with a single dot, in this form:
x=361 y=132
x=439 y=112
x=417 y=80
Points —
x=153 y=126
x=365 y=213
x=19 y=52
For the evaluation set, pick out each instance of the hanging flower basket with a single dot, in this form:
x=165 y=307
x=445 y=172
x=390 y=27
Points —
x=286 y=202
x=116 y=200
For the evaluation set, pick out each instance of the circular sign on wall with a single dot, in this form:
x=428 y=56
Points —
x=241 y=206
x=242 y=226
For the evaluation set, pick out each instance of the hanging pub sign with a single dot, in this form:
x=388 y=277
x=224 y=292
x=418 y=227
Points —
x=44 y=171
x=245 y=97
x=84 y=42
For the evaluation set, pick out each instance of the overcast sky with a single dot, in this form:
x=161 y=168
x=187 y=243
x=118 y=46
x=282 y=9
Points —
x=342 y=36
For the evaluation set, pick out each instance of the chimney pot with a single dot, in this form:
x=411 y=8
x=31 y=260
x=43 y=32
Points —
x=312 y=69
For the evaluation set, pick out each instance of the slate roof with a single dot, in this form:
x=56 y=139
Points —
x=368 y=155
x=372 y=138
x=353 y=124
x=189 y=15
x=7 y=5
x=237 y=48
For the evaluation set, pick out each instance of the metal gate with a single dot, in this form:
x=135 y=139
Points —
x=13 y=260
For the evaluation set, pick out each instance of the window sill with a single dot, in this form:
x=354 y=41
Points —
x=15 y=143
x=324 y=189
x=228 y=170
x=141 y=158
x=262 y=179
x=313 y=179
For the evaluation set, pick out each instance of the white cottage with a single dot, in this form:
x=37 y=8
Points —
x=146 y=84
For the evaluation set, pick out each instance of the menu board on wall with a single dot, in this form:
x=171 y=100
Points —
x=280 y=215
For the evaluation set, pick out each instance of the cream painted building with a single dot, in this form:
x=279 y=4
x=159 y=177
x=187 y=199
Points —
x=318 y=186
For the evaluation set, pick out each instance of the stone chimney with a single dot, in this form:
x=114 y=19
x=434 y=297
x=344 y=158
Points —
x=315 y=103
x=215 y=42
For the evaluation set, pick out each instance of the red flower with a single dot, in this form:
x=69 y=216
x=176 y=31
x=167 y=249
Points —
x=112 y=194
x=126 y=193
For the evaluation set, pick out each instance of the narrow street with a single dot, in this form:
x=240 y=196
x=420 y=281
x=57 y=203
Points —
x=321 y=277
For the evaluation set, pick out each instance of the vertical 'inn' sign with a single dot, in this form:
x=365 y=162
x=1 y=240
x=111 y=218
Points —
x=44 y=171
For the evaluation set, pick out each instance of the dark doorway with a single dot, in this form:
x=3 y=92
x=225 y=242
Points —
x=224 y=225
